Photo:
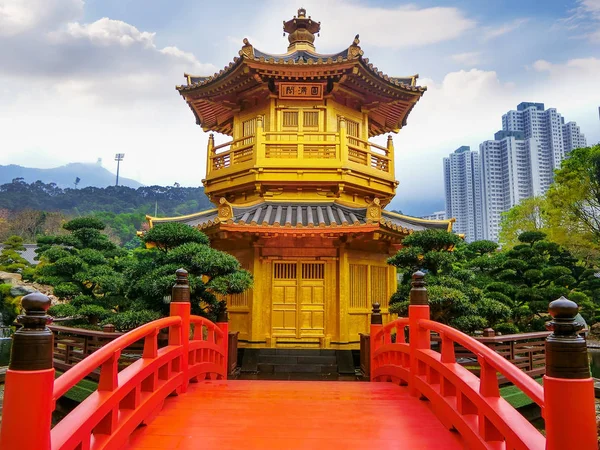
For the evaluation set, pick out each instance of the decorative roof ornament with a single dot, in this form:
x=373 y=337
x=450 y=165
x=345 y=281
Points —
x=354 y=51
x=301 y=31
x=374 y=211
x=247 y=49
x=225 y=210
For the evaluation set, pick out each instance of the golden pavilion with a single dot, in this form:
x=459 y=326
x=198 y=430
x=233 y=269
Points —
x=299 y=189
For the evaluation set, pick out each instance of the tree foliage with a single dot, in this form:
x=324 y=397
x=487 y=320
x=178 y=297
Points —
x=475 y=285
x=212 y=274
x=569 y=213
x=84 y=267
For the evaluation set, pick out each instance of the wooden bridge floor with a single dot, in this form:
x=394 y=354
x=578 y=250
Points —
x=294 y=415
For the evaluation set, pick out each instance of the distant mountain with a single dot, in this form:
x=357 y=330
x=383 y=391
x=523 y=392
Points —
x=64 y=176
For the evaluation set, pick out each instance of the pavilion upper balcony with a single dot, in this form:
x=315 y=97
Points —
x=292 y=160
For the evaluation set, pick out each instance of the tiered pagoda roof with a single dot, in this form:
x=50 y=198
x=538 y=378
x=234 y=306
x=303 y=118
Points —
x=304 y=218
x=349 y=78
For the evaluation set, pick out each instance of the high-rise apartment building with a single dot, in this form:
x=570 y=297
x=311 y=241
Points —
x=462 y=181
x=438 y=215
x=520 y=161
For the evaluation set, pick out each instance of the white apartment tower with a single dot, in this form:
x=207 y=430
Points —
x=520 y=161
x=462 y=181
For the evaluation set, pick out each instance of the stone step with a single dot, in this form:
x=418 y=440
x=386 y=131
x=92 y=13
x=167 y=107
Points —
x=297 y=351
x=297 y=368
x=289 y=359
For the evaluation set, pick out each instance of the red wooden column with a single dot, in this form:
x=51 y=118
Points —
x=29 y=384
x=569 y=406
x=180 y=306
x=376 y=326
x=223 y=324
x=419 y=338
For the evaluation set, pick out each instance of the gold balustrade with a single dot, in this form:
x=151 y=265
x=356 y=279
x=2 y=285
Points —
x=263 y=147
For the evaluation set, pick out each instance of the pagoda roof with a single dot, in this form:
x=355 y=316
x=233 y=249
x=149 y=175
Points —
x=318 y=216
x=387 y=99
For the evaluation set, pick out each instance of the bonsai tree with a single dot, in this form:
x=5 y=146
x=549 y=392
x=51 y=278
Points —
x=212 y=274
x=85 y=268
x=10 y=259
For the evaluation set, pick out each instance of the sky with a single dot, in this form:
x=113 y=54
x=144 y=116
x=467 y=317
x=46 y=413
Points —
x=83 y=80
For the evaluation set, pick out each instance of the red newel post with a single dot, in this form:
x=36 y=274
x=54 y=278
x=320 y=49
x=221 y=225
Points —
x=223 y=324
x=419 y=338
x=29 y=384
x=180 y=306
x=376 y=326
x=569 y=407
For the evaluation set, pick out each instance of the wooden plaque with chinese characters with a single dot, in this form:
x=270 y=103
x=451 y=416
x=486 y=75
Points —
x=300 y=91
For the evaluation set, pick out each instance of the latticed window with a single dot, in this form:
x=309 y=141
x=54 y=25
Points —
x=358 y=286
x=311 y=119
x=284 y=271
x=352 y=130
x=290 y=119
x=248 y=130
x=313 y=271
x=379 y=291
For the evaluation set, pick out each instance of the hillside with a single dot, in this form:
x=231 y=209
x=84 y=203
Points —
x=90 y=175
x=167 y=201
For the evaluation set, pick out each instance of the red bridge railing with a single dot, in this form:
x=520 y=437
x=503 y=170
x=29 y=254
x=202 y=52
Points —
x=125 y=398
x=472 y=405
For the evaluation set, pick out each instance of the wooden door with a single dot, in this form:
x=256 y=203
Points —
x=298 y=296
x=284 y=295
x=311 y=300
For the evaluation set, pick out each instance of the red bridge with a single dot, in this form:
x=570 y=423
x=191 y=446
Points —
x=178 y=396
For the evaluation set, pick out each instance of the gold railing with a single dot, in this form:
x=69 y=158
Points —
x=289 y=146
x=229 y=153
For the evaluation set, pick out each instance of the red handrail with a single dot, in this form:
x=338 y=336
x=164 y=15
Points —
x=524 y=382
x=461 y=400
x=86 y=366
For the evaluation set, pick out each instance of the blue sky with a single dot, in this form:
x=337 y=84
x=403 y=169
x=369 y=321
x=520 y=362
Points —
x=82 y=80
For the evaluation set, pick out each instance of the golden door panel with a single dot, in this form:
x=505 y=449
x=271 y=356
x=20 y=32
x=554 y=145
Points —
x=284 y=295
x=298 y=296
x=312 y=300
x=284 y=308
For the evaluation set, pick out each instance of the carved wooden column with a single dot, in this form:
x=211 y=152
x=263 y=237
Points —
x=28 y=395
x=180 y=306
x=569 y=406
x=419 y=338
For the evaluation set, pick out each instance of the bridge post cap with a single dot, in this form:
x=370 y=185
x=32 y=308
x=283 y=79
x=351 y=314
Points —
x=36 y=302
x=376 y=318
x=181 y=289
x=33 y=342
x=182 y=275
x=489 y=332
x=566 y=351
x=418 y=275
x=563 y=308
x=418 y=291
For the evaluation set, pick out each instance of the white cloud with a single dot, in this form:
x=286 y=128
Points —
x=584 y=20
x=94 y=89
x=467 y=58
x=494 y=32
x=394 y=27
x=20 y=16
x=104 y=32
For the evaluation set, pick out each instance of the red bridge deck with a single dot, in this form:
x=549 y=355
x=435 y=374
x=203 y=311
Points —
x=294 y=415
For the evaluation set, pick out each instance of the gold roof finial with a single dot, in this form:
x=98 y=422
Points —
x=301 y=31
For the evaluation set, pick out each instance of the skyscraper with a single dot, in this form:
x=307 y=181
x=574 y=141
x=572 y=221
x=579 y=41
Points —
x=462 y=181
x=520 y=161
